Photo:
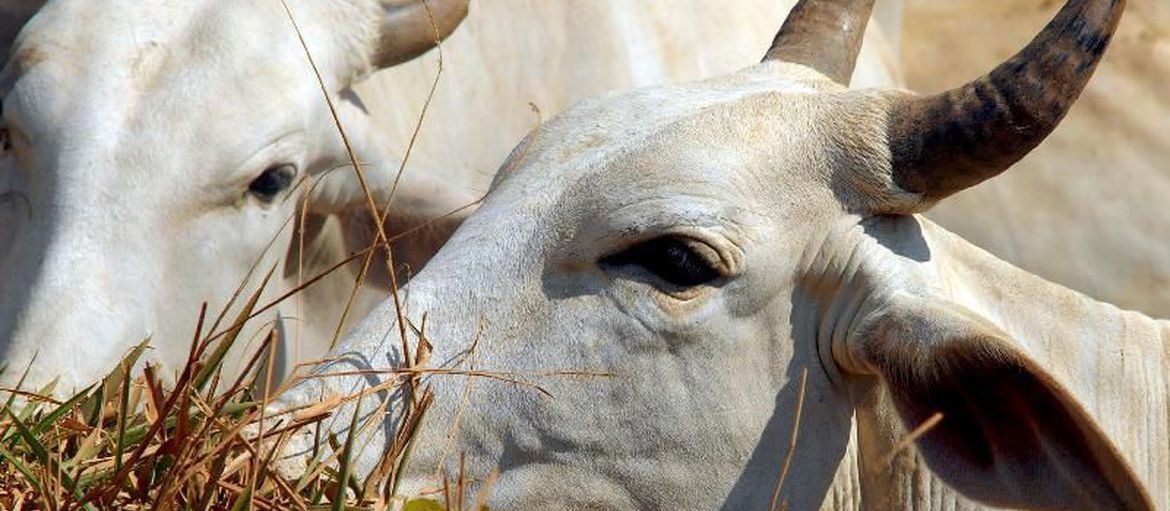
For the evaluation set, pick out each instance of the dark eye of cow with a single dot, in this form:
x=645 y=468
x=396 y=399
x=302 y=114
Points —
x=272 y=182
x=5 y=134
x=671 y=259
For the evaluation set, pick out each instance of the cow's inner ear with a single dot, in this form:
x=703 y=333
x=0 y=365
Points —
x=1010 y=435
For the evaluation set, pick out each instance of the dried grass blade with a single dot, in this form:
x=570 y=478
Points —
x=58 y=413
x=215 y=360
x=922 y=429
x=791 y=440
x=12 y=394
x=123 y=418
x=24 y=470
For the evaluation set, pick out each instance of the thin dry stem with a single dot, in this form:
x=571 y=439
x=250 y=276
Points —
x=791 y=441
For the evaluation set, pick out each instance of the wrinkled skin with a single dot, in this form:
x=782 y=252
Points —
x=157 y=163
x=778 y=180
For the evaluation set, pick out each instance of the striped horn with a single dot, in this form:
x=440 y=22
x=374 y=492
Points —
x=944 y=143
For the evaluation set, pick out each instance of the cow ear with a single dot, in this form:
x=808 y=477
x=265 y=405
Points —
x=1009 y=435
x=424 y=208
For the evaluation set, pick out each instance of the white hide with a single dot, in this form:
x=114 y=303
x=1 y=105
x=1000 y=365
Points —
x=549 y=56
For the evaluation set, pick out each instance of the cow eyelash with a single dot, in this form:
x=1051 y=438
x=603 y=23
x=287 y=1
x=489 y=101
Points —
x=272 y=182
x=5 y=133
x=670 y=258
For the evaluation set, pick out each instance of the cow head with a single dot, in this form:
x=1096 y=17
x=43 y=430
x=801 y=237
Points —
x=708 y=245
x=155 y=155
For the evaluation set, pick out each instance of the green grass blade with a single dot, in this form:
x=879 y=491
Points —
x=30 y=440
x=345 y=467
x=423 y=505
x=215 y=360
x=244 y=501
x=40 y=452
x=12 y=395
x=19 y=465
x=235 y=409
x=123 y=418
x=406 y=452
x=66 y=407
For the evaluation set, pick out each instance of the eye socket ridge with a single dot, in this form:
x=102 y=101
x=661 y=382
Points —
x=673 y=259
x=273 y=181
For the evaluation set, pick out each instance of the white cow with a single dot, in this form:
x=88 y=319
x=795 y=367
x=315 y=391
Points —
x=107 y=239
x=152 y=158
x=745 y=258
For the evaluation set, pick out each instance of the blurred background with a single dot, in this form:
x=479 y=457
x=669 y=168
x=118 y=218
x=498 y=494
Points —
x=1091 y=207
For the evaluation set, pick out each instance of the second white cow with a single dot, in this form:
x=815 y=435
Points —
x=154 y=158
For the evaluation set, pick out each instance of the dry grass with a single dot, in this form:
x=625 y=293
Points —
x=203 y=442
x=133 y=441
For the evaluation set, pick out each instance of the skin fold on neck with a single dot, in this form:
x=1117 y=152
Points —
x=1111 y=360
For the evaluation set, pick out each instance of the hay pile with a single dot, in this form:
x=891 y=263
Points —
x=202 y=442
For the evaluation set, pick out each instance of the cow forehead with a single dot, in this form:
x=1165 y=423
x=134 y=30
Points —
x=80 y=31
x=149 y=76
x=755 y=136
x=617 y=122
x=133 y=49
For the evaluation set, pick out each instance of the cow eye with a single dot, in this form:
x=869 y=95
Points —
x=5 y=133
x=672 y=259
x=272 y=182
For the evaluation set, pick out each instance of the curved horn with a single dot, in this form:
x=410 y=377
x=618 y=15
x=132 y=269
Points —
x=408 y=30
x=824 y=35
x=945 y=143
